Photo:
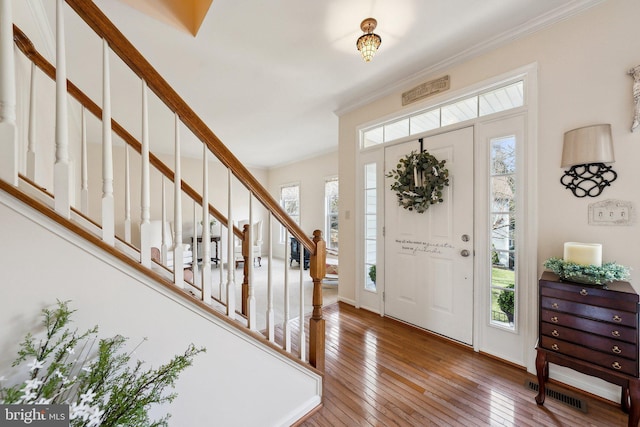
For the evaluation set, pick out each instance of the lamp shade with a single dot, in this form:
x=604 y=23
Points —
x=589 y=144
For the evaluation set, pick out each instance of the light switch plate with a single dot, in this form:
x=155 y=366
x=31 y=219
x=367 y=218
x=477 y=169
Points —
x=611 y=212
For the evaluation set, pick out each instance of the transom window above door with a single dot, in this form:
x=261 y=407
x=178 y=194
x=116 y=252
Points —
x=481 y=104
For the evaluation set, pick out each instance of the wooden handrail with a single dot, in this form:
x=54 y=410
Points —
x=119 y=44
x=26 y=46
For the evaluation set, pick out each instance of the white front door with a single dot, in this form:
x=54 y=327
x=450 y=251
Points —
x=429 y=256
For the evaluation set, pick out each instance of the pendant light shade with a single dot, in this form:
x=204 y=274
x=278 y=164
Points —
x=369 y=42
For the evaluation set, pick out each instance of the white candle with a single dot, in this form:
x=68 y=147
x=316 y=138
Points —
x=583 y=253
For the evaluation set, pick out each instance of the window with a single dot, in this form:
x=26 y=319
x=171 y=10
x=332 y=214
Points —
x=290 y=202
x=491 y=101
x=502 y=183
x=331 y=212
x=370 y=232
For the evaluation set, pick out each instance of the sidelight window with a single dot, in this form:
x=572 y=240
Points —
x=331 y=212
x=370 y=226
x=502 y=183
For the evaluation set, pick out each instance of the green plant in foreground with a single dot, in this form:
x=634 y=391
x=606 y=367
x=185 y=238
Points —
x=100 y=385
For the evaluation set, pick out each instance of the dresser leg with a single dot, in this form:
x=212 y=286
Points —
x=634 y=402
x=542 y=367
x=624 y=400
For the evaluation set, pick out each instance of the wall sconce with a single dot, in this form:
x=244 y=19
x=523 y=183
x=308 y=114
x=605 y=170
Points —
x=369 y=42
x=586 y=150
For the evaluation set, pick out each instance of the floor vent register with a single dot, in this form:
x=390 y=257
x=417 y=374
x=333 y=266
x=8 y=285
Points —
x=571 y=401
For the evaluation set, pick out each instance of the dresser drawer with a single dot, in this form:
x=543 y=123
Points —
x=606 y=345
x=615 y=363
x=599 y=296
x=613 y=315
x=620 y=332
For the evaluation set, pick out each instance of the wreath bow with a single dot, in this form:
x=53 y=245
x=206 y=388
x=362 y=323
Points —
x=419 y=179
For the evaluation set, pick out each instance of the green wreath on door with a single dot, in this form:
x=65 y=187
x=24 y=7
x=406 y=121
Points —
x=419 y=179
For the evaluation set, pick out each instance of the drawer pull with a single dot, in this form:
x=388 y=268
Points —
x=555 y=347
x=616 y=349
x=584 y=292
x=616 y=365
x=554 y=319
x=554 y=305
x=617 y=318
x=615 y=333
x=555 y=333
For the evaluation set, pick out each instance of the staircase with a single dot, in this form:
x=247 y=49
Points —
x=112 y=222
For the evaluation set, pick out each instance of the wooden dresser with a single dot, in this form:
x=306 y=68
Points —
x=593 y=330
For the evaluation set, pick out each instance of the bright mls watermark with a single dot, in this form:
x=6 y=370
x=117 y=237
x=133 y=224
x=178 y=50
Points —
x=34 y=415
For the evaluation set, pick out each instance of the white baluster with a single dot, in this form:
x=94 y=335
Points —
x=8 y=131
x=286 y=327
x=145 y=198
x=108 y=212
x=206 y=231
x=31 y=138
x=303 y=337
x=127 y=195
x=196 y=247
x=251 y=303
x=221 y=285
x=61 y=168
x=270 y=312
x=163 y=217
x=231 y=285
x=84 y=170
x=178 y=247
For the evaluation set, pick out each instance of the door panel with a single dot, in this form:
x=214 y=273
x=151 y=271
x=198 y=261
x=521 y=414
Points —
x=428 y=282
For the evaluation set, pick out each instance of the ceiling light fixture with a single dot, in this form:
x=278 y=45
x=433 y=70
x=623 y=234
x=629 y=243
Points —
x=369 y=42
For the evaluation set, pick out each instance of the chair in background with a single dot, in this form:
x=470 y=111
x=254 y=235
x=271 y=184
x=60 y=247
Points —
x=157 y=249
x=256 y=247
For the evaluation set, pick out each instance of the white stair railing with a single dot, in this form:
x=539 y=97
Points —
x=145 y=197
x=231 y=283
x=178 y=247
x=84 y=166
x=206 y=231
x=8 y=131
x=108 y=205
x=31 y=137
x=63 y=194
x=61 y=167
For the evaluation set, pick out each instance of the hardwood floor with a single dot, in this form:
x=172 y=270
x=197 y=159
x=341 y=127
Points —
x=380 y=372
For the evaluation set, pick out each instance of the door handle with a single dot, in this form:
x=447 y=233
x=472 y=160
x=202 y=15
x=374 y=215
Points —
x=465 y=253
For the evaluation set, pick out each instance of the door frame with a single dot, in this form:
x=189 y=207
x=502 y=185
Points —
x=528 y=264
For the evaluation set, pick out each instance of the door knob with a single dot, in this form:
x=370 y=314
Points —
x=464 y=253
x=465 y=237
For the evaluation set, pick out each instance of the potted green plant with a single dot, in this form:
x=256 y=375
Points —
x=506 y=301
x=372 y=273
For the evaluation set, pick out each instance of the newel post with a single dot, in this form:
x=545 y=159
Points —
x=317 y=268
x=246 y=248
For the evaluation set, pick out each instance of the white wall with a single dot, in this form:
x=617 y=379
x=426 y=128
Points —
x=311 y=174
x=39 y=267
x=582 y=80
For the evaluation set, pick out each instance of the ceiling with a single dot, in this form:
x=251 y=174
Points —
x=269 y=78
